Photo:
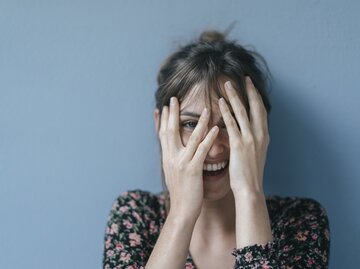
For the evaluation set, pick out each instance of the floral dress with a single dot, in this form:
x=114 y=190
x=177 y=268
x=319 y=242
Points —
x=299 y=226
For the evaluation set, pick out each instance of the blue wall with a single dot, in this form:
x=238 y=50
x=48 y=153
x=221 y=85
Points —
x=77 y=80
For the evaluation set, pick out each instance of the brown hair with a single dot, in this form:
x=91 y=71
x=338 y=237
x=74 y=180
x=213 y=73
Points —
x=203 y=62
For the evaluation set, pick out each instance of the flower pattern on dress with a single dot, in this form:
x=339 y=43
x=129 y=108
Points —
x=300 y=228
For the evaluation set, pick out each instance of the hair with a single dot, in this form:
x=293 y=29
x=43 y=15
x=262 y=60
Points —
x=204 y=62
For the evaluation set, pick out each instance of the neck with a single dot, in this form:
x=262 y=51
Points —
x=217 y=219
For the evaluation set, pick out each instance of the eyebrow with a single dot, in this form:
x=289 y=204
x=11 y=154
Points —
x=191 y=114
x=196 y=115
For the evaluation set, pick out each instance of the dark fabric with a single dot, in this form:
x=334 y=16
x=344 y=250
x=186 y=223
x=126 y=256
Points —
x=300 y=228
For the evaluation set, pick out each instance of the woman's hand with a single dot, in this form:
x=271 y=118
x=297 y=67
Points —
x=248 y=145
x=183 y=165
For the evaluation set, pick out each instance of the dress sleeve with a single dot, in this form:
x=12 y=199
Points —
x=301 y=240
x=125 y=243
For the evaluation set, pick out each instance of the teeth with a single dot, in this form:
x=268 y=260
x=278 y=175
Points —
x=214 y=166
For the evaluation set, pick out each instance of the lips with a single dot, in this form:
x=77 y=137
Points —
x=214 y=169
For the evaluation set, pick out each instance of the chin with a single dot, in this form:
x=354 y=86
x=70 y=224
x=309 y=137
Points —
x=214 y=192
x=216 y=186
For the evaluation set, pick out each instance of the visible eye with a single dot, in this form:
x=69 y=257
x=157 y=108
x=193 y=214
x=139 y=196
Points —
x=190 y=124
x=222 y=125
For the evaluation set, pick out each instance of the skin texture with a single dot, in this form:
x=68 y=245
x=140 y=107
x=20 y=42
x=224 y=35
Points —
x=247 y=161
x=230 y=210
x=249 y=146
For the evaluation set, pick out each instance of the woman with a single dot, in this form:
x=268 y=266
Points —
x=211 y=118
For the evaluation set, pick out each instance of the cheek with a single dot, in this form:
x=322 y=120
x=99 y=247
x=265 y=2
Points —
x=185 y=135
x=224 y=137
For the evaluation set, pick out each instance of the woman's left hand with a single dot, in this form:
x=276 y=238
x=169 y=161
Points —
x=248 y=145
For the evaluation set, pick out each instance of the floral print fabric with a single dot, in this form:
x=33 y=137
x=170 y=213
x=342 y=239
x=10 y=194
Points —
x=300 y=228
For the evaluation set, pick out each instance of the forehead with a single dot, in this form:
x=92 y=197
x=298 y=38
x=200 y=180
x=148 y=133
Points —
x=202 y=95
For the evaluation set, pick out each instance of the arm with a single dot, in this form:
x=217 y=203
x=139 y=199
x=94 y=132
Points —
x=306 y=244
x=172 y=246
x=302 y=239
x=182 y=166
x=252 y=219
x=248 y=138
x=128 y=244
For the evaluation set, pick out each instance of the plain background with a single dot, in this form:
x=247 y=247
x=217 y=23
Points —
x=77 y=83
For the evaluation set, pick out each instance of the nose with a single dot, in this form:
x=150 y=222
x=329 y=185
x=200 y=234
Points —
x=217 y=148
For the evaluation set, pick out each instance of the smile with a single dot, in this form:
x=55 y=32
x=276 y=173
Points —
x=212 y=167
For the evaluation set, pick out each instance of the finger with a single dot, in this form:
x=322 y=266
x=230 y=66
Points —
x=231 y=126
x=238 y=108
x=205 y=145
x=163 y=127
x=197 y=135
x=173 y=124
x=258 y=114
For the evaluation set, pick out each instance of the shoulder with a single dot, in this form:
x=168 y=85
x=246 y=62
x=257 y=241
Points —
x=138 y=198
x=295 y=206
x=301 y=230
x=295 y=214
x=132 y=228
x=141 y=205
x=293 y=201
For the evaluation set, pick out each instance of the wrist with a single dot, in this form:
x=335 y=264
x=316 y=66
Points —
x=248 y=191
x=181 y=220
x=249 y=194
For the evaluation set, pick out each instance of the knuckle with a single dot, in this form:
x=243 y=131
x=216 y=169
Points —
x=254 y=102
x=242 y=110
x=225 y=108
x=162 y=134
x=233 y=124
x=263 y=138
x=249 y=140
x=181 y=167
x=171 y=129
x=237 y=144
x=256 y=105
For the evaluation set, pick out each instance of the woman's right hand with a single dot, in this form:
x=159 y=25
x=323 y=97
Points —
x=183 y=165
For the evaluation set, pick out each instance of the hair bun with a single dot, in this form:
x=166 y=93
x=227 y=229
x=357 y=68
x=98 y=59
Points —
x=211 y=36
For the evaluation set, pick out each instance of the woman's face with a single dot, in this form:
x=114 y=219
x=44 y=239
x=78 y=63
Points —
x=215 y=170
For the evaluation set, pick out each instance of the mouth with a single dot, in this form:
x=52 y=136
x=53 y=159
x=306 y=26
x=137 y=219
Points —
x=214 y=169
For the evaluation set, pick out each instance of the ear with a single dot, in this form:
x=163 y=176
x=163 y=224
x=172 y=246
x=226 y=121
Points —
x=156 y=116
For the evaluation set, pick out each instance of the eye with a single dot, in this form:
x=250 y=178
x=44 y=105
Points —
x=222 y=125
x=189 y=124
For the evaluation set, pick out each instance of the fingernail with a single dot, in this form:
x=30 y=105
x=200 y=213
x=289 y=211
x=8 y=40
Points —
x=228 y=85
x=205 y=112
x=248 y=79
x=222 y=101
x=214 y=129
x=172 y=101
